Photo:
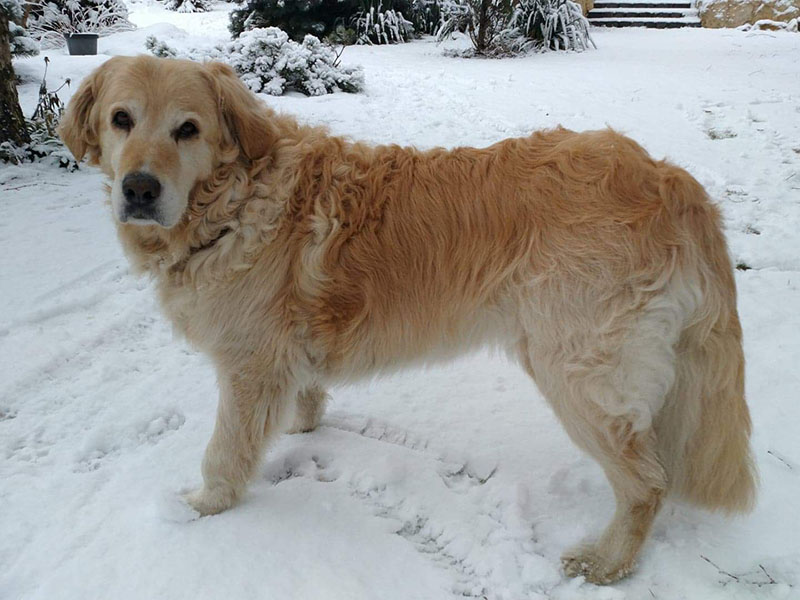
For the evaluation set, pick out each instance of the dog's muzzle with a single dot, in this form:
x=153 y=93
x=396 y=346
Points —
x=141 y=192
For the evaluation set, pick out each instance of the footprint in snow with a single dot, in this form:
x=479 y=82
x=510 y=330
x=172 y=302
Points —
x=300 y=463
x=464 y=477
x=104 y=444
x=160 y=426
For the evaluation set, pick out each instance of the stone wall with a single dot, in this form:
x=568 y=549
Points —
x=586 y=5
x=734 y=13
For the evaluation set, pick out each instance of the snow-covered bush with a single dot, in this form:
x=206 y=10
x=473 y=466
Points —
x=484 y=20
x=342 y=21
x=49 y=20
x=188 y=6
x=509 y=27
x=21 y=43
x=159 y=48
x=12 y=10
x=424 y=14
x=342 y=35
x=377 y=25
x=268 y=61
x=550 y=25
x=45 y=145
x=297 y=18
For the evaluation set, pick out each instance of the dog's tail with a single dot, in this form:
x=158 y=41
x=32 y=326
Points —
x=704 y=428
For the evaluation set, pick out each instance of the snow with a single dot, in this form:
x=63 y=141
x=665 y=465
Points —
x=434 y=483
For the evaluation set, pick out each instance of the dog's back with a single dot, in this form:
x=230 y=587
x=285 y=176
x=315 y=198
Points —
x=604 y=272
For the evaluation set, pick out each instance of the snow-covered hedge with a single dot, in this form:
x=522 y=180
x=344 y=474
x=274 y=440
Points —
x=45 y=146
x=483 y=20
x=49 y=20
x=21 y=43
x=550 y=25
x=424 y=14
x=377 y=25
x=296 y=17
x=11 y=9
x=188 y=6
x=345 y=21
x=268 y=61
x=508 y=27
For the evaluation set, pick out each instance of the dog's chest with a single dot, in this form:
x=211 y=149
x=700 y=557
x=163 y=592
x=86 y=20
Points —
x=224 y=317
x=180 y=305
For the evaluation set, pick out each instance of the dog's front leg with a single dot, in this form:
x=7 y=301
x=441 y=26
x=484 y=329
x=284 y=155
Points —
x=252 y=408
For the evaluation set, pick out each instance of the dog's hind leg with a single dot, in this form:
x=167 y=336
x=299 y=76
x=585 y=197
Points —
x=639 y=483
x=252 y=409
x=607 y=380
x=309 y=408
x=628 y=456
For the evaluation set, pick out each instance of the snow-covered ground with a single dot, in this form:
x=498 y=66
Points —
x=445 y=482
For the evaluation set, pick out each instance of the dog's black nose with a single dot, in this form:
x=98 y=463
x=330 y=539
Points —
x=140 y=190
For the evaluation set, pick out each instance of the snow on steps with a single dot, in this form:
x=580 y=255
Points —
x=660 y=14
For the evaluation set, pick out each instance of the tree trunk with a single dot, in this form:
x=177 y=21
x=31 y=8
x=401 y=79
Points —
x=483 y=25
x=12 y=123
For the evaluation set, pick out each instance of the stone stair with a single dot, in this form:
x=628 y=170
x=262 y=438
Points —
x=659 y=14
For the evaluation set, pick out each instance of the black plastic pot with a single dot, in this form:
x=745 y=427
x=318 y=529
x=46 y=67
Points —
x=81 y=44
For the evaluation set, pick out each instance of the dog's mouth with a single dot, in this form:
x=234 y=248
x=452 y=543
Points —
x=141 y=216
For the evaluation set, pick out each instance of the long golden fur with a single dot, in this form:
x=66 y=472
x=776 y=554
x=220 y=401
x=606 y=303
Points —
x=300 y=259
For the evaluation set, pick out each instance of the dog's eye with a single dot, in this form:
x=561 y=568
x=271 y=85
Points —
x=122 y=120
x=186 y=131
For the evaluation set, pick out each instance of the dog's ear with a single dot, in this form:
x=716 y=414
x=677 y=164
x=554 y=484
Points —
x=77 y=128
x=249 y=122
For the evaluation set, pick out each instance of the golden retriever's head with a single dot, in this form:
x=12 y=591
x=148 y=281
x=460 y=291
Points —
x=158 y=127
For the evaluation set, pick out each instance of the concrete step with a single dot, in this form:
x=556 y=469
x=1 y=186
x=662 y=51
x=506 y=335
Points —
x=669 y=23
x=652 y=5
x=649 y=13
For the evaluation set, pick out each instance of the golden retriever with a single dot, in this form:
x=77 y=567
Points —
x=296 y=259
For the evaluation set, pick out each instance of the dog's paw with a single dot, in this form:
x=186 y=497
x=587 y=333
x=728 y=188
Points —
x=588 y=561
x=210 y=501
